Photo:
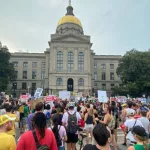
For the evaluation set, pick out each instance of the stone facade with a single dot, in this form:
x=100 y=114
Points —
x=68 y=64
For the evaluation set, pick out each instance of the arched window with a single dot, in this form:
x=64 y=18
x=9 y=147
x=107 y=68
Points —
x=59 y=61
x=81 y=62
x=59 y=81
x=81 y=82
x=70 y=61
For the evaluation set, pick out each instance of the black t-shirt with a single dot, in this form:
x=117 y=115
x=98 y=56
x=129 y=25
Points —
x=90 y=147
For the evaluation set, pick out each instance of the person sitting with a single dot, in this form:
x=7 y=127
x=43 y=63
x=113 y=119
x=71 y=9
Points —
x=101 y=136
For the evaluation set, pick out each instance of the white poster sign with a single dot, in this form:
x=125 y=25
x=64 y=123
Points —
x=102 y=96
x=64 y=95
x=38 y=92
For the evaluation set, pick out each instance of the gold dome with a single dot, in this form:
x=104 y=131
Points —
x=69 y=19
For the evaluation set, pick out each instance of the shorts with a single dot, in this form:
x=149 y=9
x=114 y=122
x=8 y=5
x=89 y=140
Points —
x=72 y=138
x=89 y=127
x=23 y=122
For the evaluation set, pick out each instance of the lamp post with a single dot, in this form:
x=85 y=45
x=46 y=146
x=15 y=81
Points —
x=29 y=89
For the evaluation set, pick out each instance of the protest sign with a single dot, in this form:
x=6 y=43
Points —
x=102 y=96
x=64 y=95
x=38 y=92
x=50 y=98
x=34 y=102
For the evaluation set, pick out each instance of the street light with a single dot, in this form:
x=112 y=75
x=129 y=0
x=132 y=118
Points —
x=28 y=89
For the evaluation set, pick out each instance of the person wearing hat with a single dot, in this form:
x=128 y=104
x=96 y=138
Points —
x=139 y=135
x=144 y=120
x=130 y=123
x=70 y=117
x=7 y=142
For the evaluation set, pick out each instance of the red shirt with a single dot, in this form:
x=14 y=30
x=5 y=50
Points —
x=27 y=141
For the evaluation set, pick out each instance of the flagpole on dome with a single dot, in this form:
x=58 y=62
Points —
x=69 y=2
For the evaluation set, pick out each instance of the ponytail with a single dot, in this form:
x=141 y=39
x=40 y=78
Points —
x=145 y=144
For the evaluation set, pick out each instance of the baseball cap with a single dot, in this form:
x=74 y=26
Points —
x=130 y=113
x=144 y=108
x=71 y=104
x=140 y=131
x=5 y=118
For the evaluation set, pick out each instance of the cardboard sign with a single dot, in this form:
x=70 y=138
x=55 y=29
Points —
x=102 y=96
x=64 y=95
x=50 y=98
x=38 y=92
x=34 y=102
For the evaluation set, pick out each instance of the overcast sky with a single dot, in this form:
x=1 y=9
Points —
x=115 y=26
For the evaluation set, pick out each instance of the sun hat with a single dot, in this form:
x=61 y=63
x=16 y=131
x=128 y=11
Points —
x=140 y=131
x=5 y=118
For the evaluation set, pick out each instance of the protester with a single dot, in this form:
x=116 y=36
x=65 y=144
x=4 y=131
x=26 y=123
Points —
x=38 y=108
x=101 y=136
x=7 y=142
x=89 y=120
x=59 y=133
x=8 y=109
x=45 y=137
x=145 y=122
x=47 y=111
x=129 y=125
x=139 y=135
x=70 y=121
x=23 y=109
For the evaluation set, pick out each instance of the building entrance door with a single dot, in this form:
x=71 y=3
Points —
x=70 y=85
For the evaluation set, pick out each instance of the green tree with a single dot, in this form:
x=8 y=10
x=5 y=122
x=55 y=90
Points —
x=7 y=73
x=134 y=71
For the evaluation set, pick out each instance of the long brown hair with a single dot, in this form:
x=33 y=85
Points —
x=39 y=123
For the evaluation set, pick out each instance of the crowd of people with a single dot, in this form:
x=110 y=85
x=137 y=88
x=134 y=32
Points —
x=60 y=126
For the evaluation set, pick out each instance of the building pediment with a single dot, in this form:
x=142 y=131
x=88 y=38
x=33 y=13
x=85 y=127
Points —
x=71 y=38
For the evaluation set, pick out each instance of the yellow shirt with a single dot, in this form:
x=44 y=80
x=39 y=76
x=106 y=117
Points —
x=13 y=132
x=7 y=142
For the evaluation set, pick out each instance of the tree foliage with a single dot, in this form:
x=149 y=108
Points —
x=134 y=71
x=6 y=68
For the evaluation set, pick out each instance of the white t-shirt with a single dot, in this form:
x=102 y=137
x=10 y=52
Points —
x=65 y=117
x=129 y=124
x=45 y=111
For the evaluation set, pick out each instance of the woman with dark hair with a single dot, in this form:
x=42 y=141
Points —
x=44 y=136
x=59 y=132
x=101 y=136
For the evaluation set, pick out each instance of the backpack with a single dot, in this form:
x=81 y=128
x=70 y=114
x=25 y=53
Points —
x=57 y=137
x=112 y=124
x=21 y=109
x=72 y=123
x=48 y=115
x=38 y=145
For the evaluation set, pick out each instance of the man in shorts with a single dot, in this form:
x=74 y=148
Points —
x=72 y=137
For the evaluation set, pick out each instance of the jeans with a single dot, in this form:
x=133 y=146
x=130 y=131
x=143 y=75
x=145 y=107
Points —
x=61 y=148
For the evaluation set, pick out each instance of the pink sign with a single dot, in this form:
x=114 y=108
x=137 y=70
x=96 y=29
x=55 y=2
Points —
x=25 y=97
x=50 y=98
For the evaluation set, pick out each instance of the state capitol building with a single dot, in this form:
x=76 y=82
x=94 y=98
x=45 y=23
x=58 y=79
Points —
x=69 y=63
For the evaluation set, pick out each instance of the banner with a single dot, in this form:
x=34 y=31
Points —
x=102 y=96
